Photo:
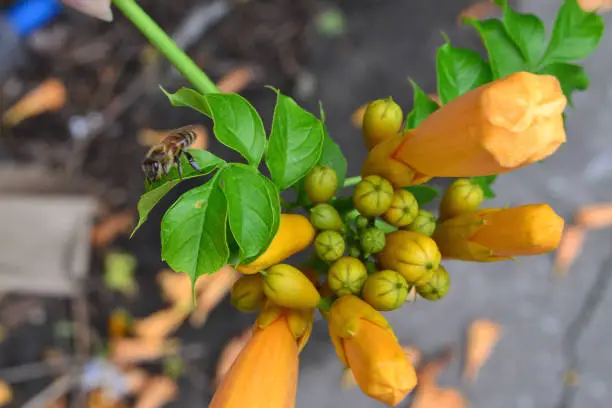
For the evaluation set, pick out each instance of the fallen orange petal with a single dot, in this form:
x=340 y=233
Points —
x=136 y=380
x=161 y=323
x=111 y=227
x=216 y=289
x=128 y=351
x=6 y=393
x=595 y=5
x=236 y=80
x=569 y=248
x=428 y=394
x=479 y=10
x=176 y=286
x=595 y=216
x=49 y=96
x=482 y=337
x=157 y=392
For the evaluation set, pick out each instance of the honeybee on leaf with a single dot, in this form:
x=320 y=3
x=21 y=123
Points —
x=166 y=154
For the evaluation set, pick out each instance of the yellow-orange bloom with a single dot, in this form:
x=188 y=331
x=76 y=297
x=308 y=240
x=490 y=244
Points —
x=493 y=129
x=498 y=234
x=365 y=343
x=380 y=163
x=265 y=373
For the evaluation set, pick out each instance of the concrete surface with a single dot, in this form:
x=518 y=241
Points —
x=550 y=325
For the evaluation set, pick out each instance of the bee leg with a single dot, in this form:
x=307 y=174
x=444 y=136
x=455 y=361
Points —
x=177 y=161
x=192 y=161
x=165 y=170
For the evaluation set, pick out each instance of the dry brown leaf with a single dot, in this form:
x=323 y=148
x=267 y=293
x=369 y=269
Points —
x=49 y=96
x=428 y=394
x=136 y=379
x=230 y=354
x=569 y=248
x=595 y=216
x=595 y=5
x=357 y=117
x=111 y=227
x=158 y=392
x=480 y=10
x=161 y=323
x=176 y=287
x=482 y=337
x=6 y=394
x=236 y=80
x=217 y=287
x=129 y=351
x=150 y=137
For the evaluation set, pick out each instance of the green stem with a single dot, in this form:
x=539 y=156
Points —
x=166 y=46
x=351 y=181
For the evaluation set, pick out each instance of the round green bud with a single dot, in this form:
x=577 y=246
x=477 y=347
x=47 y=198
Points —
x=346 y=276
x=424 y=223
x=329 y=245
x=321 y=184
x=247 y=294
x=437 y=287
x=385 y=290
x=372 y=240
x=325 y=217
x=382 y=119
x=404 y=209
x=463 y=195
x=362 y=222
x=354 y=252
x=373 y=196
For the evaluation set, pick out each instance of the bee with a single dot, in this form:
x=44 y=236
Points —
x=163 y=156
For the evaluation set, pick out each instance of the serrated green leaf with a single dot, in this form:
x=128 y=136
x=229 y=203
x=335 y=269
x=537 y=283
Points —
x=571 y=77
x=459 y=71
x=207 y=162
x=295 y=144
x=238 y=125
x=505 y=57
x=423 y=106
x=575 y=35
x=527 y=31
x=188 y=98
x=193 y=231
x=485 y=183
x=252 y=210
x=423 y=193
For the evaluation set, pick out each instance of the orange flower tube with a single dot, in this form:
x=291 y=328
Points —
x=499 y=234
x=493 y=129
x=365 y=343
x=265 y=373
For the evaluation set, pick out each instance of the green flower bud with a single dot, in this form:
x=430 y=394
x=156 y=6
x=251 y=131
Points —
x=404 y=209
x=329 y=245
x=325 y=217
x=437 y=287
x=373 y=196
x=362 y=222
x=464 y=195
x=372 y=240
x=382 y=119
x=247 y=294
x=424 y=223
x=346 y=276
x=321 y=184
x=385 y=290
x=354 y=252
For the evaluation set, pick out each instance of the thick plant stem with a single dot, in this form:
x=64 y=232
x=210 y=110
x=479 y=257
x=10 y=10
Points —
x=166 y=46
x=351 y=181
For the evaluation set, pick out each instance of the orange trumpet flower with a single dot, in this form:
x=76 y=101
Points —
x=47 y=97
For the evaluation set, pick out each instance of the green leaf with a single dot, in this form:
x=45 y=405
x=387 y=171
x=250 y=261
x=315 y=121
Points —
x=193 y=231
x=572 y=77
x=527 y=31
x=459 y=71
x=238 y=125
x=575 y=35
x=423 y=106
x=485 y=183
x=295 y=142
x=331 y=156
x=423 y=193
x=207 y=162
x=252 y=209
x=504 y=56
x=186 y=97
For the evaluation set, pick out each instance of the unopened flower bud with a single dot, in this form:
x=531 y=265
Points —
x=247 y=294
x=329 y=245
x=437 y=287
x=373 y=196
x=372 y=240
x=362 y=222
x=463 y=195
x=346 y=276
x=383 y=118
x=424 y=223
x=321 y=184
x=403 y=210
x=325 y=217
x=385 y=290
x=286 y=286
x=354 y=252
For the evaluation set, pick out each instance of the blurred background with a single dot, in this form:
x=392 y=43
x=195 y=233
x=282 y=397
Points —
x=72 y=282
